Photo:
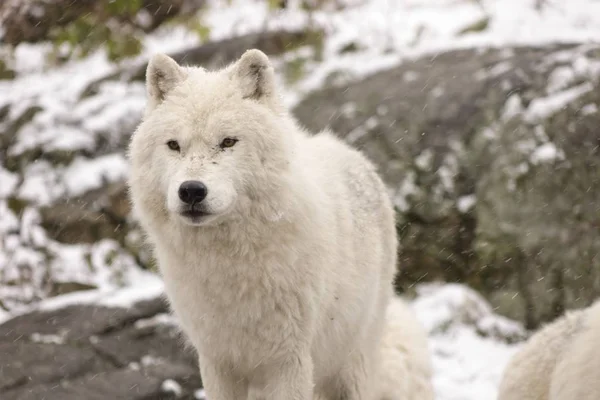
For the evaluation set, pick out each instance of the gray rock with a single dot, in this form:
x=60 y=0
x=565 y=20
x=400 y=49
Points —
x=492 y=156
x=77 y=322
x=26 y=363
x=93 y=352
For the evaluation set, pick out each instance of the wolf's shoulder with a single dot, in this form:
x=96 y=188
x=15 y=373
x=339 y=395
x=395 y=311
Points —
x=331 y=150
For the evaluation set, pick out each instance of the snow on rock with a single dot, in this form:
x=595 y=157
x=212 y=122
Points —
x=4 y=316
x=41 y=184
x=407 y=189
x=424 y=161
x=543 y=107
x=40 y=133
x=84 y=175
x=466 y=203
x=446 y=305
x=512 y=107
x=8 y=221
x=159 y=319
x=464 y=335
x=146 y=286
x=560 y=78
x=387 y=32
x=545 y=153
x=8 y=182
x=54 y=339
x=171 y=386
x=589 y=109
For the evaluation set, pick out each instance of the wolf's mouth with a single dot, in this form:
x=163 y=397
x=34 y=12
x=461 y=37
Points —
x=194 y=214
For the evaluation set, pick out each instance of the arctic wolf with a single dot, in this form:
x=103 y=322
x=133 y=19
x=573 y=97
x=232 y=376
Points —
x=277 y=248
x=560 y=362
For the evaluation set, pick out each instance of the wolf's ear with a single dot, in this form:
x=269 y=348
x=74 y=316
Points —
x=162 y=75
x=255 y=75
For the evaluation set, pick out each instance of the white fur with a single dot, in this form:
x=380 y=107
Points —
x=283 y=287
x=560 y=362
x=406 y=371
x=406 y=368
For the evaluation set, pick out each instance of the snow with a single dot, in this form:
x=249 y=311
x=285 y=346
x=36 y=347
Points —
x=4 y=316
x=512 y=107
x=464 y=335
x=41 y=184
x=545 y=153
x=54 y=339
x=407 y=189
x=148 y=286
x=560 y=78
x=497 y=70
x=84 y=175
x=8 y=182
x=466 y=203
x=392 y=31
x=542 y=108
x=170 y=386
x=362 y=130
x=589 y=109
x=148 y=360
x=447 y=172
x=424 y=161
x=159 y=319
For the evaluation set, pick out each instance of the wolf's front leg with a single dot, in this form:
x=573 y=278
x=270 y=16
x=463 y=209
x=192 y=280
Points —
x=220 y=383
x=292 y=379
x=355 y=380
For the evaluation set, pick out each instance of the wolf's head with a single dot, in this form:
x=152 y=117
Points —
x=211 y=142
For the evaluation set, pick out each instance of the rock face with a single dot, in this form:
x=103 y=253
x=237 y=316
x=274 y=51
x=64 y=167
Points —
x=493 y=158
x=491 y=155
x=93 y=352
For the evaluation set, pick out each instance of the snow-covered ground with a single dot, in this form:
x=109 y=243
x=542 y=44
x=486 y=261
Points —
x=468 y=346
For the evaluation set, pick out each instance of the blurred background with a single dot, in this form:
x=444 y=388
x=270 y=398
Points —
x=482 y=116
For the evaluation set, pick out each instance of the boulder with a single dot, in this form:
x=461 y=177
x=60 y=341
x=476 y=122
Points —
x=492 y=157
x=87 y=351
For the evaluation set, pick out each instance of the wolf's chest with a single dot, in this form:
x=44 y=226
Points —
x=233 y=314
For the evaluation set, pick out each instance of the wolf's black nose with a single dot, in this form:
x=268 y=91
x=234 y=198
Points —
x=191 y=192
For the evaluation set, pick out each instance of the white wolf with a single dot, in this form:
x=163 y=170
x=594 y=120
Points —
x=277 y=248
x=560 y=362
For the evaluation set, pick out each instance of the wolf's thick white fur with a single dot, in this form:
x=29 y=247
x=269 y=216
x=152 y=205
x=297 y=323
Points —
x=406 y=368
x=560 y=362
x=282 y=281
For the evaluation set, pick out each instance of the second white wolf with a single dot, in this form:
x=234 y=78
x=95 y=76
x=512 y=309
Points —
x=559 y=362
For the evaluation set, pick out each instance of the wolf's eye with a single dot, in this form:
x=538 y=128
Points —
x=228 y=142
x=173 y=145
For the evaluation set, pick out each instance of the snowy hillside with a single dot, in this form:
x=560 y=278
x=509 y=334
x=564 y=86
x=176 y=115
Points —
x=65 y=231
